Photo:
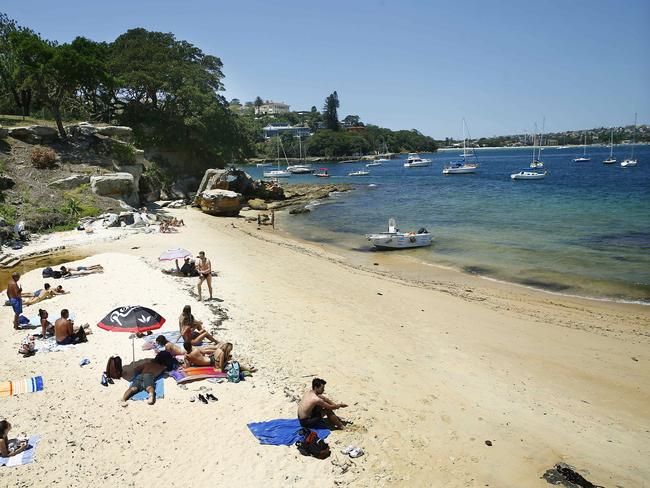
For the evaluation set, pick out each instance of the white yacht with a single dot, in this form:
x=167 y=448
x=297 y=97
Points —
x=611 y=159
x=459 y=167
x=629 y=162
x=414 y=161
x=584 y=158
x=278 y=173
x=300 y=169
x=394 y=239
x=359 y=173
x=263 y=165
x=536 y=162
x=373 y=163
x=528 y=175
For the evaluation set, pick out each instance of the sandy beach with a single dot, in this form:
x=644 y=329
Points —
x=433 y=363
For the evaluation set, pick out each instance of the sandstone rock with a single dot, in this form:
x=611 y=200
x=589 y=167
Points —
x=6 y=182
x=267 y=190
x=116 y=185
x=3 y=132
x=126 y=218
x=220 y=202
x=34 y=134
x=119 y=131
x=299 y=210
x=227 y=179
x=81 y=129
x=70 y=182
x=257 y=204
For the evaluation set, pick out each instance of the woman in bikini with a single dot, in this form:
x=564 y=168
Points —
x=8 y=449
x=191 y=329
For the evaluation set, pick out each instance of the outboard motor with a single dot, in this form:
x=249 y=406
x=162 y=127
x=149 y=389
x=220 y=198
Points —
x=422 y=231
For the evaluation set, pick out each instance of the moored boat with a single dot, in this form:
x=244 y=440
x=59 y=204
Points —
x=394 y=239
x=277 y=173
x=322 y=173
x=359 y=173
x=611 y=159
x=528 y=175
x=414 y=161
x=299 y=169
x=631 y=161
x=459 y=167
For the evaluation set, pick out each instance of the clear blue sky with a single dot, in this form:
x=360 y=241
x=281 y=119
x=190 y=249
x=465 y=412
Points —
x=403 y=64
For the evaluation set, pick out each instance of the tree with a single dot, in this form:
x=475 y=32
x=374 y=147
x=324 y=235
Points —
x=11 y=75
x=258 y=103
x=352 y=120
x=330 y=112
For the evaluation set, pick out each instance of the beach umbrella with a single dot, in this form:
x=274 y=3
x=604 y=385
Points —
x=132 y=318
x=173 y=254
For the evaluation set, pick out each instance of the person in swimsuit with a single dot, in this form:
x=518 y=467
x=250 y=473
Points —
x=43 y=294
x=191 y=329
x=47 y=329
x=81 y=270
x=8 y=449
x=145 y=379
x=204 y=267
x=14 y=294
x=64 y=330
x=314 y=405
x=176 y=350
x=218 y=359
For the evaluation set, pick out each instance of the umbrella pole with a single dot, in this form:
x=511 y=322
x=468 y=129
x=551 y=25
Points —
x=133 y=344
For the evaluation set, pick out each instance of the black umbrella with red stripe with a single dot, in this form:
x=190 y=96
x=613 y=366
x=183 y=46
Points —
x=133 y=318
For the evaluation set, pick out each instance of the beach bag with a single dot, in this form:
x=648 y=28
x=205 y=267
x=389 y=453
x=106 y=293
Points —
x=312 y=445
x=48 y=272
x=233 y=372
x=114 y=367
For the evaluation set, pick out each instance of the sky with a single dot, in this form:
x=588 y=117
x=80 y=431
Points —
x=426 y=65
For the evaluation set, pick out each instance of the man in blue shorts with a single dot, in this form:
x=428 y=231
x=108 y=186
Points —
x=14 y=293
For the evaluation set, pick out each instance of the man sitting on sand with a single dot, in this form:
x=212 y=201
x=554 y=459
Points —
x=64 y=330
x=192 y=329
x=44 y=293
x=314 y=405
x=81 y=270
x=146 y=375
x=187 y=269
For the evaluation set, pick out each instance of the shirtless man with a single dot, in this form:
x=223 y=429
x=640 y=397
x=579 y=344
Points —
x=81 y=270
x=64 y=330
x=44 y=293
x=191 y=329
x=14 y=293
x=204 y=267
x=146 y=380
x=314 y=405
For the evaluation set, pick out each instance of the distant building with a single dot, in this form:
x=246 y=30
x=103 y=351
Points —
x=273 y=130
x=272 y=108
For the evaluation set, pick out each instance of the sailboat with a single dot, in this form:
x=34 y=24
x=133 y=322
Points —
x=629 y=162
x=611 y=159
x=536 y=163
x=300 y=168
x=584 y=157
x=462 y=167
x=278 y=173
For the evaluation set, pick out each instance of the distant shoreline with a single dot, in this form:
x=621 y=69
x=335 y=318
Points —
x=568 y=146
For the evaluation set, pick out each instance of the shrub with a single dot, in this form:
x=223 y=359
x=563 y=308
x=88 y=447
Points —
x=43 y=157
x=124 y=153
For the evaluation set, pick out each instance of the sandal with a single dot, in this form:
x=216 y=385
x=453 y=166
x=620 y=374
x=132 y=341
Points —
x=211 y=397
x=356 y=452
x=347 y=450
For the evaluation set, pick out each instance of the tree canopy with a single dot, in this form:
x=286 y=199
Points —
x=330 y=112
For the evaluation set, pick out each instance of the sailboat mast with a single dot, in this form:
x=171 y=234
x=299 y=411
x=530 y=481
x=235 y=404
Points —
x=534 y=133
x=584 y=152
x=634 y=135
x=541 y=139
x=464 y=149
x=611 y=144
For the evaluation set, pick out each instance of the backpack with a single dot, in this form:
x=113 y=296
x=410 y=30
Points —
x=114 y=367
x=312 y=445
x=233 y=372
x=48 y=272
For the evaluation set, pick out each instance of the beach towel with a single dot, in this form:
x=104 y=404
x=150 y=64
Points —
x=282 y=432
x=172 y=336
x=143 y=395
x=50 y=345
x=25 y=457
x=29 y=385
x=196 y=373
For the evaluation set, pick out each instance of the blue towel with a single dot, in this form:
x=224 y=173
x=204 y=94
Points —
x=143 y=395
x=282 y=432
x=25 y=457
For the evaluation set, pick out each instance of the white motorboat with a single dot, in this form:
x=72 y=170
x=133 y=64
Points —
x=322 y=173
x=394 y=239
x=528 y=175
x=583 y=158
x=414 y=161
x=611 y=159
x=382 y=160
x=359 y=173
x=629 y=162
x=374 y=163
x=299 y=169
x=459 y=167
x=263 y=165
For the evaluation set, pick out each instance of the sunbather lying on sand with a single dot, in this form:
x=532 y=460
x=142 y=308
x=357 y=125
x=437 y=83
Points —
x=65 y=332
x=195 y=356
x=176 y=222
x=44 y=293
x=146 y=374
x=315 y=405
x=192 y=329
x=81 y=270
x=177 y=349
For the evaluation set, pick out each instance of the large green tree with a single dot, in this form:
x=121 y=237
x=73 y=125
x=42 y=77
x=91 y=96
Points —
x=12 y=77
x=330 y=112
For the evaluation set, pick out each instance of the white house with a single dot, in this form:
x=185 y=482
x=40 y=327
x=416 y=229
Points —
x=270 y=108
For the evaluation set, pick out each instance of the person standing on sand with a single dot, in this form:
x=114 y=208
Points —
x=204 y=267
x=14 y=293
x=314 y=405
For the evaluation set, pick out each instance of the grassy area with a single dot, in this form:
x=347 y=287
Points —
x=18 y=120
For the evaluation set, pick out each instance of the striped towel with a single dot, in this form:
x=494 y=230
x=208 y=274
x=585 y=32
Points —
x=25 y=457
x=29 y=385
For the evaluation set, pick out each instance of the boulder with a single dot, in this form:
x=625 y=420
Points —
x=3 y=132
x=227 y=179
x=219 y=202
x=34 y=134
x=6 y=182
x=149 y=189
x=135 y=170
x=70 y=182
x=268 y=190
x=126 y=218
x=257 y=204
x=119 y=131
x=111 y=220
x=81 y=129
x=299 y=210
x=116 y=185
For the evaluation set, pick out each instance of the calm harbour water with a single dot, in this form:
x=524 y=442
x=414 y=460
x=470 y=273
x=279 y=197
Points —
x=584 y=229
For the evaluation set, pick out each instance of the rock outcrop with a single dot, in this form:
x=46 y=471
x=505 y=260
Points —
x=6 y=182
x=119 y=131
x=34 y=134
x=241 y=182
x=257 y=204
x=70 y=182
x=116 y=185
x=219 y=202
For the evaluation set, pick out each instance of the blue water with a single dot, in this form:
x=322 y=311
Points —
x=584 y=229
